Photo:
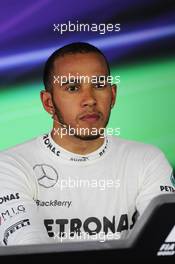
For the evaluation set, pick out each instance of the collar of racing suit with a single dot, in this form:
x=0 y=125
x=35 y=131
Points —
x=64 y=154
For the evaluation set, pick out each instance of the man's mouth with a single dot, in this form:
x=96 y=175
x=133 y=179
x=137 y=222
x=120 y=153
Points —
x=90 y=117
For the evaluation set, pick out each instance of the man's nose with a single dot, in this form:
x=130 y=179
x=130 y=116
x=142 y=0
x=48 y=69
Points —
x=88 y=98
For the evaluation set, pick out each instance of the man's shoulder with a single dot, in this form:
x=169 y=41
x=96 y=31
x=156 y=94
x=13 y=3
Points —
x=134 y=147
x=25 y=148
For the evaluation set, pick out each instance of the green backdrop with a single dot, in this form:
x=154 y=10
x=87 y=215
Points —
x=144 y=109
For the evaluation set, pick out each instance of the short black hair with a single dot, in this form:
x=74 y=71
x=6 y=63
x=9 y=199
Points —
x=72 y=48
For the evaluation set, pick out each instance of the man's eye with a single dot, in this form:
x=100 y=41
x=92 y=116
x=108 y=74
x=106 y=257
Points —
x=72 y=88
x=100 y=85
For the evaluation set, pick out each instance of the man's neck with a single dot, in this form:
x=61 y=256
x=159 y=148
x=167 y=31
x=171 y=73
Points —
x=77 y=145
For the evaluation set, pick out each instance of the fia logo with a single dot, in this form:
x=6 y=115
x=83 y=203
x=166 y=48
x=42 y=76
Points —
x=168 y=247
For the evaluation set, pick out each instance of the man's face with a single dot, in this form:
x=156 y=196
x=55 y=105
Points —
x=83 y=103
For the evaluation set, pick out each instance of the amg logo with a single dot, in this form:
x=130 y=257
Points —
x=79 y=159
x=9 y=197
x=13 y=228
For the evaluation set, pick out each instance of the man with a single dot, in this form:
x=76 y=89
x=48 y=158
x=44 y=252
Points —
x=77 y=182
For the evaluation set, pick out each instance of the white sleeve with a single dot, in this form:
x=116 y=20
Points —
x=157 y=179
x=20 y=221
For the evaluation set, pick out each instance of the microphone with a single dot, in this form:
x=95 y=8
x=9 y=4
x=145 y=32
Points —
x=52 y=113
x=63 y=125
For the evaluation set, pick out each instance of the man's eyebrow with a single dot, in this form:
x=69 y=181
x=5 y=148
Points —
x=71 y=80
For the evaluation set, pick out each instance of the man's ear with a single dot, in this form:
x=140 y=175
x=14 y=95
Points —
x=114 y=94
x=46 y=99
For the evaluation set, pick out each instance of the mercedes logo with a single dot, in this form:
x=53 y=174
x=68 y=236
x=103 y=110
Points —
x=46 y=175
